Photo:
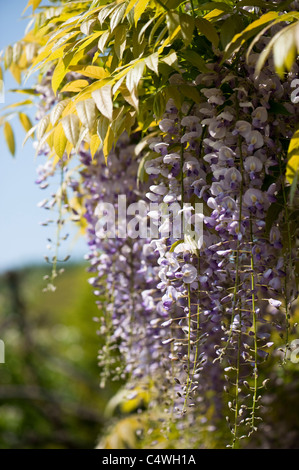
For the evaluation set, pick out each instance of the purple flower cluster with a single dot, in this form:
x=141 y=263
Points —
x=124 y=269
x=226 y=152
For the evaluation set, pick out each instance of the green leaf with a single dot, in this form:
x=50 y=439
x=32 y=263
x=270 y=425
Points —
x=159 y=105
x=173 y=22
x=252 y=3
x=9 y=137
x=195 y=60
x=118 y=15
x=17 y=52
x=215 y=6
x=208 y=30
x=58 y=110
x=16 y=105
x=190 y=92
x=103 y=100
x=87 y=26
x=248 y=32
x=103 y=40
x=120 y=40
x=42 y=127
x=25 y=91
x=231 y=26
x=106 y=11
x=293 y=188
x=87 y=113
x=134 y=75
x=278 y=108
x=71 y=127
x=187 y=27
x=152 y=62
x=130 y=6
x=102 y=128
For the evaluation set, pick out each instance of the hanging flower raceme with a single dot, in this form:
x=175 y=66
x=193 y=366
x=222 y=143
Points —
x=225 y=152
x=124 y=267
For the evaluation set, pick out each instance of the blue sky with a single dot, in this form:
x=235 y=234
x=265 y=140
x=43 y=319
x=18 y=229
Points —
x=22 y=240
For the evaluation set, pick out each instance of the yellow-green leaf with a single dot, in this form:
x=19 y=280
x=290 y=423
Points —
x=58 y=110
x=152 y=62
x=87 y=113
x=190 y=92
x=16 y=73
x=108 y=143
x=120 y=40
x=95 y=144
x=284 y=50
x=293 y=158
x=16 y=105
x=103 y=124
x=9 y=137
x=62 y=67
x=103 y=40
x=90 y=71
x=75 y=87
x=103 y=100
x=8 y=57
x=195 y=60
x=71 y=127
x=58 y=75
x=248 y=32
x=118 y=15
x=187 y=27
x=33 y=3
x=139 y=9
x=208 y=30
x=134 y=75
x=42 y=127
x=130 y=6
x=25 y=121
x=172 y=21
x=59 y=141
x=17 y=52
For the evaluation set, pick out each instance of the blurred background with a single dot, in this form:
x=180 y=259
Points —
x=49 y=384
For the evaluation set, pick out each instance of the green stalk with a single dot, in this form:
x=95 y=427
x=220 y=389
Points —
x=189 y=349
x=288 y=261
x=255 y=333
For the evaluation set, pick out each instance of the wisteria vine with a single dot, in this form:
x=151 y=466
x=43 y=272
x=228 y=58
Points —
x=190 y=316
